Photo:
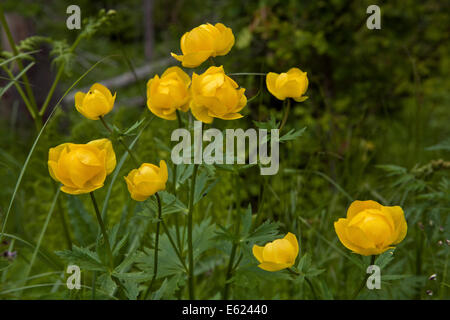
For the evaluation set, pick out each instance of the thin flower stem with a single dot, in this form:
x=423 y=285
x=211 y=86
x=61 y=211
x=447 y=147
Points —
x=172 y=242
x=286 y=113
x=155 y=259
x=363 y=283
x=102 y=227
x=235 y=243
x=135 y=159
x=25 y=99
x=174 y=182
x=189 y=235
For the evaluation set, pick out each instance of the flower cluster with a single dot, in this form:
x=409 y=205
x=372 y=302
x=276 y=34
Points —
x=369 y=229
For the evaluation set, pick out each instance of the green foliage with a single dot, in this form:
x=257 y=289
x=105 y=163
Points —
x=375 y=127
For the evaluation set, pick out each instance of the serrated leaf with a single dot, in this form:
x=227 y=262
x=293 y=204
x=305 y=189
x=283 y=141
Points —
x=82 y=257
x=131 y=289
x=264 y=233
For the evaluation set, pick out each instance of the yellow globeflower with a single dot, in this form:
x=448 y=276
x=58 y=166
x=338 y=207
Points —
x=96 y=103
x=215 y=95
x=81 y=168
x=291 y=84
x=277 y=255
x=167 y=94
x=371 y=228
x=203 y=42
x=147 y=180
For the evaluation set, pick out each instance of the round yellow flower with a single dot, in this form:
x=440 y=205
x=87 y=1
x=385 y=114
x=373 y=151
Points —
x=147 y=180
x=215 y=95
x=81 y=168
x=277 y=255
x=167 y=94
x=96 y=103
x=371 y=228
x=203 y=42
x=291 y=84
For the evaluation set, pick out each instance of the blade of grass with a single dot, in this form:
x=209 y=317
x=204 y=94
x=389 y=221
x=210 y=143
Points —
x=14 y=80
x=20 y=55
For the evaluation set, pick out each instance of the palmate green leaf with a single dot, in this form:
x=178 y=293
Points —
x=224 y=234
x=267 y=231
x=136 y=277
x=131 y=289
x=168 y=288
x=107 y=284
x=82 y=257
x=270 y=124
x=203 y=186
x=168 y=263
x=81 y=221
x=170 y=204
x=202 y=237
x=184 y=172
x=129 y=260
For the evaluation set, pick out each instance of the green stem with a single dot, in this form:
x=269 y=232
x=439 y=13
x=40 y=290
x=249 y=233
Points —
x=172 y=242
x=174 y=182
x=286 y=113
x=235 y=243
x=189 y=235
x=155 y=259
x=103 y=229
x=19 y=61
x=363 y=283
x=25 y=99
x=52 y=90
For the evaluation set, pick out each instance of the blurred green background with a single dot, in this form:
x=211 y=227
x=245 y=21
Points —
x=377 y=127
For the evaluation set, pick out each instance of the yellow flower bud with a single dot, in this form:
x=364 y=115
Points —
x=203 y=42
x=371 y=228
x=291 y=84
x=277 y=255
x=167 y=94
x=147 y=180
x=215 y=95
x=96 y=103
x=81 y=168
